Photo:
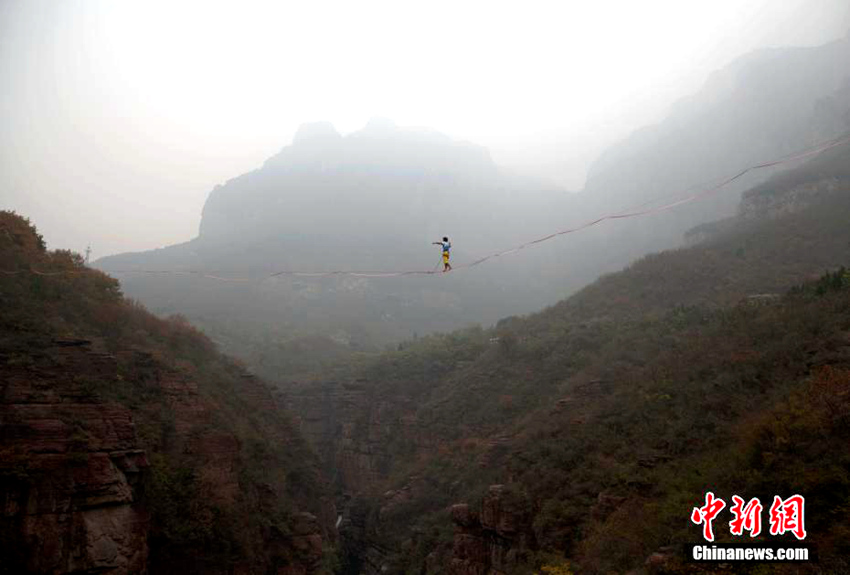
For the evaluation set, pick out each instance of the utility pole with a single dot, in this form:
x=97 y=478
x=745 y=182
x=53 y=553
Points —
x=88 y=253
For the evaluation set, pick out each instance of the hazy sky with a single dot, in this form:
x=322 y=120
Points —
x=118 y=117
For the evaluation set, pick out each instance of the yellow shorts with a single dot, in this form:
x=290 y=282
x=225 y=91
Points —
x=445 y=257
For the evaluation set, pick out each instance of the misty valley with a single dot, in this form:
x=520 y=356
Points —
x=378 y=357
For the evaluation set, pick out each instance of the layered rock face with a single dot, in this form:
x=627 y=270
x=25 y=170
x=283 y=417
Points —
x=350 y=428
x=354 y=431
x=494 y=540
x=70 y=471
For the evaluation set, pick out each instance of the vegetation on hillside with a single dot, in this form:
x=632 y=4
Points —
x=749 y=399
x=649 y=387
x=47 y=296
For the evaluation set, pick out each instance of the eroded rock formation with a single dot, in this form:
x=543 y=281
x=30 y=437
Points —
x=70 y=469
x=494 y=540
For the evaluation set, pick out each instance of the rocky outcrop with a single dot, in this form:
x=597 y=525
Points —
x=350 y=429
x=662 y=561
x=708 y=231
x=307 y=543
x=69 y=471
x=495 y=540
x=764 y=202
x=772 y=200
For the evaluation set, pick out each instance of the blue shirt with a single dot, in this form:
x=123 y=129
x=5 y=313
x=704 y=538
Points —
x=447 y=246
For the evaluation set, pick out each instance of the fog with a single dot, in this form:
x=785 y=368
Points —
x=118 y=118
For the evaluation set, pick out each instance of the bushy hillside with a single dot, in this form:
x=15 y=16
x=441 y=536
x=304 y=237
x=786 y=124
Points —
x=607 y=416
x=128 y=443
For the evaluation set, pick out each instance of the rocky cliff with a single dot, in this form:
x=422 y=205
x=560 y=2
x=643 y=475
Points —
x=495 y=540
x=128 y=444
x=70 y=468
x=787 y=193
x=351 y=426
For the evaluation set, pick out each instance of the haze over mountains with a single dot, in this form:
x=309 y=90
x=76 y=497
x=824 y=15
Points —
x=131 y=444
x=375 y=200
x=620 y=374
x=765 y=105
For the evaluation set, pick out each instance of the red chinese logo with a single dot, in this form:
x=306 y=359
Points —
x=705 y=515
x=786 y=516
x=747 y=517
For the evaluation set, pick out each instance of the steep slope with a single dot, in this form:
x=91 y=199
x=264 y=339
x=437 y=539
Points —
x=128 y=444
x=693 y=369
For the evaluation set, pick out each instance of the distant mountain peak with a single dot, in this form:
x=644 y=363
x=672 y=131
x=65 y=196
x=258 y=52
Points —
x=316 y=133
x=379 y=124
